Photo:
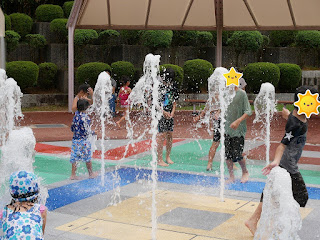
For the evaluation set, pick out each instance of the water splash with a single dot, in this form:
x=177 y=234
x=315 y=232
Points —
x=265 y=107
x=101 y=96
x=280 y=218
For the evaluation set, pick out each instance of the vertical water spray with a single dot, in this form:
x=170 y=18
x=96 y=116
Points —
x=101 y=96
x=264 y=107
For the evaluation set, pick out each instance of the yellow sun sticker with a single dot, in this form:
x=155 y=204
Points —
x=308 y=103
x=232 y=77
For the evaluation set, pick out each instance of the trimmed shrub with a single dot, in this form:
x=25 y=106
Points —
x=21 y=23
x=184 y=38
x=157 y=38
x=178 y=71
x=196 y=74
x=266 y=41
x=282 y=38
x=290 y=76
x=67 y=7
x=89 y=72
x=122 y=68
x=246 y=40
x=12 y=40
x=131 y=37
x=308 y=39
x=108 y=37
x=257 y=73
x=58 y=26
x=204 y=38
x=7 y=22
x=225 y=37
x=24 y=72
x=47 y=75
x=84 y=36
x=36 y=41
x=48 y=12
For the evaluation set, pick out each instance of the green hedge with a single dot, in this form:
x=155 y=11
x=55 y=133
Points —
x=58 y=26
x=85 y=36
x=108 y=37
x=7 y=21
x=282 y=38
x=24 y=72
x=21 y=23
x=225 y=37
x=290 y=76
x=196 y=74
x=67 y=7
x=122 y=68
x=47 y=75
x=308 y=39
x=12 y=40
x=184 y=38
x=89 y=72
x=246 y=40
x=48 y=12
x=204 y=38
x=157 y=38
x=178 y=72
x=36 y=41
x=265 y=41
x=257 y=73
x=130 y=37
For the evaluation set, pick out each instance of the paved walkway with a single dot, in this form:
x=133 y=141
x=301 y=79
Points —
x=188 y=201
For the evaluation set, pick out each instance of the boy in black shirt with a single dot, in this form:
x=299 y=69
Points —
x=168 y=96
x=287 y=156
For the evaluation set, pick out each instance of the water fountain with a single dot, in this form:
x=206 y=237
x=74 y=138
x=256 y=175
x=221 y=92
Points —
x=101 y=96
x=280 y=218
x=265 y=107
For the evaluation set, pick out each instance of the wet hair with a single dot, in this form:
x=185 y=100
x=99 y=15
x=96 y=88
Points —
x=82 y=105
x=302 y=90
x=83 y=87
x=108 y=71
x=168 y=75
x=124 y=79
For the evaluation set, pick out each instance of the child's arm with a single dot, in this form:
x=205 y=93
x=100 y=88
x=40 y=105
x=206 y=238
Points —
x=44 y=219
x=278 y=155
x=173 y=109
x=74 y=104
x=237 y=122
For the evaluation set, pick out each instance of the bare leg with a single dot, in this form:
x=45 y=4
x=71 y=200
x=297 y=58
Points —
x=230 y=168
x=245 y=173
x=169 y=147
x=160 y=140
x=73 y=171
x=212 y=153
x=122 y=118
x=91 y=173
x=252 y=222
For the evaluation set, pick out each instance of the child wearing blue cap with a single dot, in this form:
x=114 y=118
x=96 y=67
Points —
x=23 y=218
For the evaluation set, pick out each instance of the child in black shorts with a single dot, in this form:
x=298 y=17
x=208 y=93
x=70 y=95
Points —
x=287 y=156
x=168 y=97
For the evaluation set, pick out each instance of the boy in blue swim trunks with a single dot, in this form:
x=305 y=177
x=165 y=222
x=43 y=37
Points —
x=81 y=145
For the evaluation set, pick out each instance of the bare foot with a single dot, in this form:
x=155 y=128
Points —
x=169 y=161
x=93 y=175
x=230 y=180
x=251 y=226
x=209 y=167
x=163 y=164
x=74 y=178
x=118 y=124
x=245 y=177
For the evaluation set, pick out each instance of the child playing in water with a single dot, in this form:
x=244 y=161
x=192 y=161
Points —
x=23 y=218
x=124 y=93
x=287 y=156
x=84 y=92
x=168 y=97
x=81 y=145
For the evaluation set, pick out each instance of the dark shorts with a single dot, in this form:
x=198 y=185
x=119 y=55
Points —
x=299 y=189
x=234 y=148
x=216 y=130
x=165 y=125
